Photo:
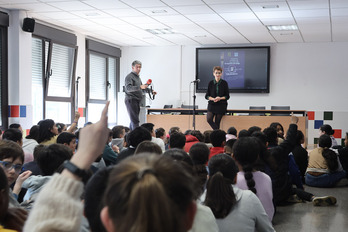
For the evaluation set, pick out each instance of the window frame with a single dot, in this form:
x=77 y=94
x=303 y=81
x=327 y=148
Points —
x=55 y=36
x=107 y=52
x=4 y=24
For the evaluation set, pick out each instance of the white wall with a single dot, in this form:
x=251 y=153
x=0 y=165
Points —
x=306 y=76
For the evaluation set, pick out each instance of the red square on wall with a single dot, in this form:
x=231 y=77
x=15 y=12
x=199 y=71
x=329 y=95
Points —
x=310 y=115
x=82 y=112
x=14 y=111
x=337 y=134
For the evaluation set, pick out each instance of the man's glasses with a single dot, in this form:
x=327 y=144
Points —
x=8 y=166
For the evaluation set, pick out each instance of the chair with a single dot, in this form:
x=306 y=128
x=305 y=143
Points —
x=257 y=108
x=280 y=108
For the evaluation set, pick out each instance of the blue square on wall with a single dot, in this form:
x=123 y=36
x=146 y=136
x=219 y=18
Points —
x=22 y=111
x=318 y=123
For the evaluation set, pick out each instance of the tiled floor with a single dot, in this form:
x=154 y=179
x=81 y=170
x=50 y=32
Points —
x=307 y=218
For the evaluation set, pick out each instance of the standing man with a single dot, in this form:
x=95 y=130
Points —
x=134 y=94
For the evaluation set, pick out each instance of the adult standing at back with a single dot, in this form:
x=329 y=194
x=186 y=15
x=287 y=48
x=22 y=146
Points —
x=217 y=95
x=134 y=94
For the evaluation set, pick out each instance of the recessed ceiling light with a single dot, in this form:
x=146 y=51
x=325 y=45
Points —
x=270 y=6
x=159 y=11
x=282 y=27
x=161 y=31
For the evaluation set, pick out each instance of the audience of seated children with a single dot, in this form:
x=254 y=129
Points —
x=11 y=219
x=324 y=167
x=11 y=160
x=283 y=191
x=148 y=147
x=48 y=132
x=231 y=133
x=151 y=193
x=67 y=139
x=300 y=154
x=118 y=133
x=158 y=141
x=177 y=140
x=233 y=208
x=204 y=220
x=246 y=153
x=218 y=139
x=110 y=154
x=327 y=129
x=134 y=138
x=30 y=142
x=199 y=154
x=253 y=129
x=49 y=159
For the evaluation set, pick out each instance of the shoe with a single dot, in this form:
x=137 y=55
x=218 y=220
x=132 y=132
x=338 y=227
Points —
x=324 y=201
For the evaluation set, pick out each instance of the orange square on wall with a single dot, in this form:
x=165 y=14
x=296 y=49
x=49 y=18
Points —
x=337 y=134
x=310 y=115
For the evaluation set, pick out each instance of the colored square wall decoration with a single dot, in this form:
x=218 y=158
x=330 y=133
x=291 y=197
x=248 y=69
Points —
x=337 y=134
x=22 y=111
x=328 y=115
x=14 y=111
x=310 y=115
x=318 y=123
x=82 y=112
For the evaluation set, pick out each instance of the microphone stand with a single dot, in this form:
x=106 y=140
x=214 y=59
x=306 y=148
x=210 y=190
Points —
x=194 y=106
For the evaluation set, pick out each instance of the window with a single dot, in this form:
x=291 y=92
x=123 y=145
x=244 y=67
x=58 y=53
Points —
x=53 y=74
x=4 y=23
x=103 y=78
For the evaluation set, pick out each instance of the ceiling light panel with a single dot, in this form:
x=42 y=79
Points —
x=282 y=27
x=268 y=6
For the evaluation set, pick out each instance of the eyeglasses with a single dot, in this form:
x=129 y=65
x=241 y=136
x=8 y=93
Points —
x=8 y=166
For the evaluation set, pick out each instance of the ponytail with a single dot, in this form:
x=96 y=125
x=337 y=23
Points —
x=331 y=159
x=249 y=178
x=220 y=197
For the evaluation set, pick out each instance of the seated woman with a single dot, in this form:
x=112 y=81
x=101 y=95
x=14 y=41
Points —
x=149 y=193
x=246 y=152
x=48 y=132
x=233 y=208
x=324 y=167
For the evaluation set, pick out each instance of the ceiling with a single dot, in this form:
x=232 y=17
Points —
x=194 y=22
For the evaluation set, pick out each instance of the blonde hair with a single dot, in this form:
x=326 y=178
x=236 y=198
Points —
x=149 y=193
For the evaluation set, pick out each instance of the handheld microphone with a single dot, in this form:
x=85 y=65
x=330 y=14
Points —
x=196 y=81
x=149 y=81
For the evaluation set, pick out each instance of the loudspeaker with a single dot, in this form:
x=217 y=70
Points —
x=28 y=24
